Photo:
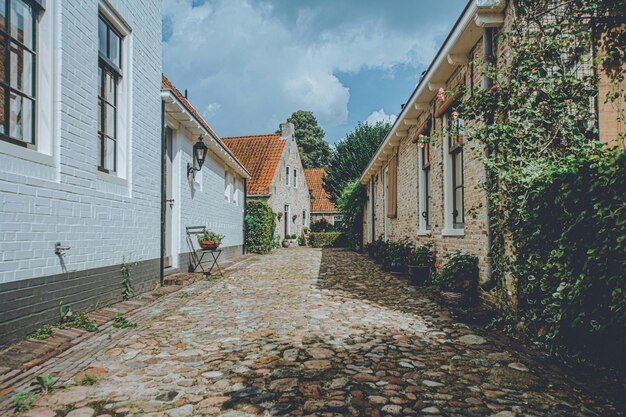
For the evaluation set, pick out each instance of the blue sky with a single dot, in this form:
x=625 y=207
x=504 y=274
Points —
x=248 y=64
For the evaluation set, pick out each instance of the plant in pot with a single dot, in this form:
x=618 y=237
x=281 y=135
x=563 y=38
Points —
x=396 y=256
x=458 y=278
x=420 y=263
x=209 y=240
x=286 y=241
x=378 y=248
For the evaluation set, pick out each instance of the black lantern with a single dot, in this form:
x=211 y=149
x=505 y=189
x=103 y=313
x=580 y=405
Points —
x=199 y=155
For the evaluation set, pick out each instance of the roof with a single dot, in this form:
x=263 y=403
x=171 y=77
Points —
x=320 y=200
x=166 y=85
x=260 y=155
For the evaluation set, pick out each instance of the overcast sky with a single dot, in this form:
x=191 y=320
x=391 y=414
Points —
x=248 y=64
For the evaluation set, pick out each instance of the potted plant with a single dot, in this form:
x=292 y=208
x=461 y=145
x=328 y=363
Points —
x=209 y=240
x=458 y=278
x=420 y=263
x=396 y=256
x=286 y=241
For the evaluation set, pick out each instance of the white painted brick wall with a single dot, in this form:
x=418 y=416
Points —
x=67 y=200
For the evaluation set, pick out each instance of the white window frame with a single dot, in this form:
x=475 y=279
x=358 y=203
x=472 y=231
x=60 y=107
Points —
x=423 y=228
x=124 y=100
x=236 y=193
x=227 y=186
x=448 y=229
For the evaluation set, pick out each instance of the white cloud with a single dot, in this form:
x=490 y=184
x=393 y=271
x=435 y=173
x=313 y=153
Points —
x=259 y=69
x=380 y=116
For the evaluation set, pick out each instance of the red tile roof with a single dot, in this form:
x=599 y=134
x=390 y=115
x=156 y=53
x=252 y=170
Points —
x=167 y=85
x=260 y=155
x=320 y=200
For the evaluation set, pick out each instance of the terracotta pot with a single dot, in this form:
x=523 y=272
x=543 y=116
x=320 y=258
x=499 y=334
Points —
x=419 y=274
x=208 y=244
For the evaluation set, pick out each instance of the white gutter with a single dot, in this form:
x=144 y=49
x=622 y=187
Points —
x=464 y=35
x=168 y=97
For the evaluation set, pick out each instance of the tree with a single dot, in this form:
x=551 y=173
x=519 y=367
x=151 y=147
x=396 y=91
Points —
x=314 y=150
x=350 y=204
x=351 y=156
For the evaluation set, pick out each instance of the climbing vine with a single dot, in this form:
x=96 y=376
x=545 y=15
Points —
x=555 y=194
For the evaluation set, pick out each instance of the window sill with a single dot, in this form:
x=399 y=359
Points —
x=424 y=232
x=453 y=232
x=33 y=155
x=111 y=178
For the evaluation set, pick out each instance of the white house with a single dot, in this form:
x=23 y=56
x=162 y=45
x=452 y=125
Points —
x=81 y=155
x=213 y=197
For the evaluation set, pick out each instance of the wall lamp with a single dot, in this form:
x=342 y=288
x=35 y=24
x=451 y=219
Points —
x=199 y=155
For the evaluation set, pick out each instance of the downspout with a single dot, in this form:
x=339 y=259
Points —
x=161 y=259
x=488 y=62
x=245 y=212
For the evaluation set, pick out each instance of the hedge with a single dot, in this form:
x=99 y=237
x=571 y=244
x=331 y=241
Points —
x=260 y=225
x=327 y=240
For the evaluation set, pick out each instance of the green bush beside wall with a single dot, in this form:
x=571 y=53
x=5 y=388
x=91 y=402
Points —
x=327 y=240
x=260 y=224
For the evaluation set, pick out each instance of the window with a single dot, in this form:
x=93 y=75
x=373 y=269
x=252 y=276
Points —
x=455 y=149
x=303 y=217
x=18 y=42
x=424 y=155
x=228 y=185
x=287 y=177
x=109 y=73
x=295 y=178
x=236 y=193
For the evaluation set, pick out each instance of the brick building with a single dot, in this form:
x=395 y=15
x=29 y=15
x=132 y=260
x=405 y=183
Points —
x=434 y=191
x=321 y=206
x=277 y=176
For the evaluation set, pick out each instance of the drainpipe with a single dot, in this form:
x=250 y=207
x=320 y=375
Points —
x=245 y=211
x=488 y=62
x=161 y=259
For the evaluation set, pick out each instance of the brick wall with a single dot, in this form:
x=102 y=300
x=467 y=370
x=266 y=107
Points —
x=59 y=195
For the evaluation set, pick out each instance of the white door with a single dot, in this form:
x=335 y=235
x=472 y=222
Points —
x=386 y=201
x=287 y=216
x=169 y=200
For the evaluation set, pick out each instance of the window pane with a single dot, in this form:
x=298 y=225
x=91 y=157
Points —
x=100 y=146
x=458 y=205
x=109 y=86
x=22 y=65
x=22 y=23
x=3 y=67
x=21 y=118
x=102 y=37
x=109 y=120
x=3 y=15
x=100 y=82
x=114 y=48
x=109 y=154
x=458 y=169
x=3 y=115
x=100 y=120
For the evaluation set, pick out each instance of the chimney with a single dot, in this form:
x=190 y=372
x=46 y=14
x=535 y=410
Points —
x=287 y=131
x=185 y=94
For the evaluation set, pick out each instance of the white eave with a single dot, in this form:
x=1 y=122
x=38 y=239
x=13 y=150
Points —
x=468 y=29
x=179 y=112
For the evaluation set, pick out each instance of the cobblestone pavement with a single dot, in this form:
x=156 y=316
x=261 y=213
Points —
x=305 y=332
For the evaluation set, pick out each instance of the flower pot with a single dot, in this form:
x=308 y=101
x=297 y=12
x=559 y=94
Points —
x=419 y=274
x=453 y=298
x=397 y=267
x=286 y=243
x=208 y=244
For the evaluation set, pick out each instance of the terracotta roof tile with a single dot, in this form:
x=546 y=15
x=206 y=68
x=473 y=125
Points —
x=320 y=201
x=260 y=155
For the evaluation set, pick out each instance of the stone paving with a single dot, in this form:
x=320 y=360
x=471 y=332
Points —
x=306 y=332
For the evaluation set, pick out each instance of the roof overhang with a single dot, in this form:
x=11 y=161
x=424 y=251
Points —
x=467 y=30
x=179 y=112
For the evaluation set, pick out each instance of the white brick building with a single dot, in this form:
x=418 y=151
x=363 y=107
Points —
x=81 y=160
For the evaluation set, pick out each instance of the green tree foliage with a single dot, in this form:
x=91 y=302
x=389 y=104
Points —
x=314 y=150
x=351 y=156
x=260 y=224
x=350 y=204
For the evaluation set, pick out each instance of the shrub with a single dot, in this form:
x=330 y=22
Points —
x=423 y=255
x=260 y=224
x=327 y=240
x=350 y=204
x=397 y=254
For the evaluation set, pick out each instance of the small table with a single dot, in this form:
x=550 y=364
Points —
x=215 y=254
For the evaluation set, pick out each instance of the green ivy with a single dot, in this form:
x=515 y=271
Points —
x=260 y=222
